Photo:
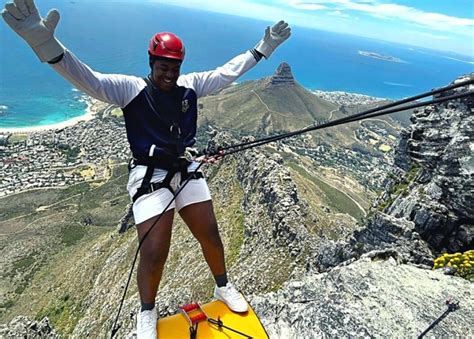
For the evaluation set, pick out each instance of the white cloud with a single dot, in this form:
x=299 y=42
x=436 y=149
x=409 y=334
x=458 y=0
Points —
x=433 y=36
x=395 y=23
x=434 y=21
x=311 y=6
x=339 y=14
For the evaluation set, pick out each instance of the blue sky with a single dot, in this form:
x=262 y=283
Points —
x=437 y=24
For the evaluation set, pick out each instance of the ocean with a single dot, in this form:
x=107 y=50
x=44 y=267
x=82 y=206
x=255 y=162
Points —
x=112 y=37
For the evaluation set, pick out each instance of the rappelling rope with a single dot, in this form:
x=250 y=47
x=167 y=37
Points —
x=247 y=145
x=452 y=306
x=371 y=113
x=220 y=325
x=223 y=151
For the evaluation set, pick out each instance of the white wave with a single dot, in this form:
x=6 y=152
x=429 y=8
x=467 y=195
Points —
x=464 y=61
x=75 y=89
x=397 y=84
x=3 y=107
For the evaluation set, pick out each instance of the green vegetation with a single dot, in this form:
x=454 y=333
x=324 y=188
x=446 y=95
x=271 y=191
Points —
x=335 y=198
x=27 y=202
x=117 y=112
x=385 y=148
x=228 y=210
x=7 y=304
x=17 y=138
x=400 y=187
x=62 y=313
x=412 y=172
x=71 y=153
x=462 y=263
x=71 y=234
x=81 y=195
x=66 y=220
x=384 y=204
x=24 y=263
x=26 y=268
x=280 y=276
x=236 y=219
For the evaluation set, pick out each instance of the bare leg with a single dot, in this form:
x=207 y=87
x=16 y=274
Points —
x=202 y=222
x=153 y=254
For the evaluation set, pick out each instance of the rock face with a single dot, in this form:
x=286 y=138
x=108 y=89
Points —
x=428 y=204
x=368 y=298
x=440 y=198
x=274 y=189
x=282 y=76
x=383 y=234
x=22 y=327
x=378 y=282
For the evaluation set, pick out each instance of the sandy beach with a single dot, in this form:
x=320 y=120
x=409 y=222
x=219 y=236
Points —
x=93 y=107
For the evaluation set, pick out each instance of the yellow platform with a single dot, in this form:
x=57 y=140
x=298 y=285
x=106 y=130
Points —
x=177 y=327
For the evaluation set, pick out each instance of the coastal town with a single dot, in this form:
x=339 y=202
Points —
x=85 y=151
x=64 y=156
x=345 y=98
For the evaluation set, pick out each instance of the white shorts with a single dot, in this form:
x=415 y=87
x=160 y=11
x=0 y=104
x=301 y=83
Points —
x=153 y=204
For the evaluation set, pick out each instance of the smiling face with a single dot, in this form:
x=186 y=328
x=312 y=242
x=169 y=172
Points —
x=165 y=73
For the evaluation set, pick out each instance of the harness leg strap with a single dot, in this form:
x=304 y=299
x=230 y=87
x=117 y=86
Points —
x=147 y=187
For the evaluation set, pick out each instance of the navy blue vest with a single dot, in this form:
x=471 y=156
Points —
x=154 y=117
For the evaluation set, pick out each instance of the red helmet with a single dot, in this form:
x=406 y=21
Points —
x=166 y=45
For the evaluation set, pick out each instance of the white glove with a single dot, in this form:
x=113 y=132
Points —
x=273 y=38
x=23 y=17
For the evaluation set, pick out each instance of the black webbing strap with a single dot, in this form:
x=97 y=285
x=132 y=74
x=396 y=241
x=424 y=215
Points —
x=193 y=330
x=220 y=325
x=143 y=189
x=148 y=187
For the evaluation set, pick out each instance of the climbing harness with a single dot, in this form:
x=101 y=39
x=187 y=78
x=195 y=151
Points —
x=172 y=166
x=452 y=306
x=194 y=314
x=220 y=152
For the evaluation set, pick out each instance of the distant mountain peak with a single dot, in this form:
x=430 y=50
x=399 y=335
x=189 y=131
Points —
x=283 y=75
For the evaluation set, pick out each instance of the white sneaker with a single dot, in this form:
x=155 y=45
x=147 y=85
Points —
x=231 y=297
x=146 y=324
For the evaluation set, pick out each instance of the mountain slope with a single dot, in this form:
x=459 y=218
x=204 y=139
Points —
x=288 y=217
x=265 y=106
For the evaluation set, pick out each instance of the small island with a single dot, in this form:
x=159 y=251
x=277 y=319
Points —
x=380 y=56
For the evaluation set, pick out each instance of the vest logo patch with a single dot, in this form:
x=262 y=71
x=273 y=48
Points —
x=184 y=105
